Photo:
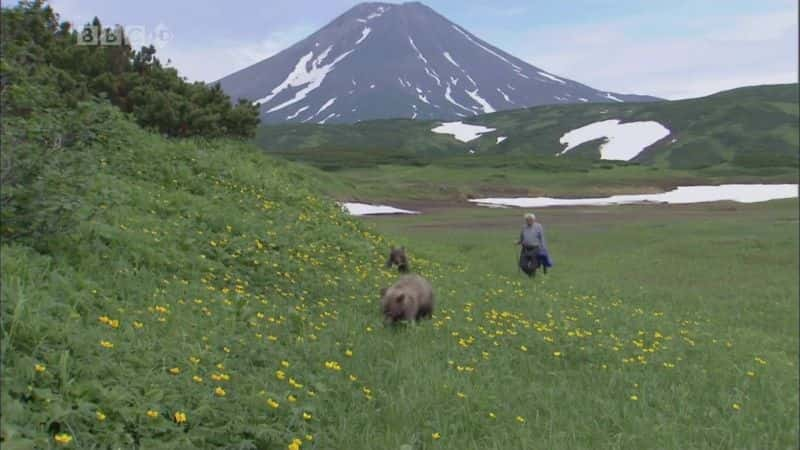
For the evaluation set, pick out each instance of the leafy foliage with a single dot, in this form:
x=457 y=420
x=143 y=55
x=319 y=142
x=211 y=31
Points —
x=43 y=67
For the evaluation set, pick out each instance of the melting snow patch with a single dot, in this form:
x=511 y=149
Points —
x=449 y=97
x=625 y=141
x=372 y=86
x=300 y=76
x=364 y=33
x=419 y=53
x=550 y=77
x=433 y=75
x=462 y=131
x=504 y=96
x=486 y=48
x=363 y=209
x=450 y=58
x=583 y=99
x=326 y=105
x=611 y=97
x=322 y=122
x=487 y=108
x=378 y=12
x=297 y=112
x=741 y=193
x=501 y=139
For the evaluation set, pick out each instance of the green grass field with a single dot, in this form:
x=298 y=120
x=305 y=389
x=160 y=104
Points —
x=659 y=327
x=451 y=185
x=220 y=301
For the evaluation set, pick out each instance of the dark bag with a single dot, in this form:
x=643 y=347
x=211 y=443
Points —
x=528 y=259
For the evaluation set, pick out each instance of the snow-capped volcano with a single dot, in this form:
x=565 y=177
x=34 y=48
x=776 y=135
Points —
x=381 y=60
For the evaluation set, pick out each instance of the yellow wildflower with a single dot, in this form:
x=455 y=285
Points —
x=285 y=364
x=306 y=416
x=272 y=403
x=295 y=444
x=520 y=419
x=106 y=344
x=436 y=436
x=62 y=438
x=197 y=379
x=100 y=416
x=492 y=415
x=219 y=392
x=634 y=397
x=175 y=370
x=39 y=368
x=179 y=416
x=523 y=348
x=279 y=374
x=152 y=414
x=291 y=398
x=348 y=353
x=737 y=407
x=556 y=354
x=137 y=324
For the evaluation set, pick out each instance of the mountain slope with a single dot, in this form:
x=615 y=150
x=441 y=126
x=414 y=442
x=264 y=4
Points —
x=746 y=127
x=380 y=60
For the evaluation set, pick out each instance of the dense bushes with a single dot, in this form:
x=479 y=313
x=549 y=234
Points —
x=43 y=67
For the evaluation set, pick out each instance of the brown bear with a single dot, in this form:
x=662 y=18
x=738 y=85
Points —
x=397 y=256
x=410 y=298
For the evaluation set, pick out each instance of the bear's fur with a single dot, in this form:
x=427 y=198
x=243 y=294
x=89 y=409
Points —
x=410 y=298
x=397 y=256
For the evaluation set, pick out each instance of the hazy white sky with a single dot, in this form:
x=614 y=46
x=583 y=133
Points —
x=672 y=49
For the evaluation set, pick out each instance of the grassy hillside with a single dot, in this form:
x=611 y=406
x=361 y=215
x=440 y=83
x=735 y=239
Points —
x=200 y=294
x=747 y=128
x=186 y=276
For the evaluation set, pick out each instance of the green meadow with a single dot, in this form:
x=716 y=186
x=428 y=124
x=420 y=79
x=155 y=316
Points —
x=203 y=295
x=166 y=284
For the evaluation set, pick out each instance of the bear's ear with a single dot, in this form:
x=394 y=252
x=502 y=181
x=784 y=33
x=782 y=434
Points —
x=383 y=291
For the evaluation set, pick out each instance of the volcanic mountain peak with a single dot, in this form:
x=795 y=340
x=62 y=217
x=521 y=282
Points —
x=381 y=60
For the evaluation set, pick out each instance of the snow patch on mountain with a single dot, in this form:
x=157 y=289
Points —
x=331 y=115
x=297 y=113
x=419 y=53
x=301 y=76
x=623 y=141
x=462 y=131
x=611 y=97
x=326 y=105
x=448 y=95
x=505 y=96
x=487 y=108
x=364 y=33
x=378 y=12
x=501 y=139
x=485 y=48
x=450 y=58
x=550 y=77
